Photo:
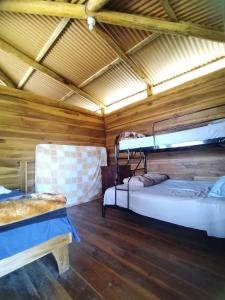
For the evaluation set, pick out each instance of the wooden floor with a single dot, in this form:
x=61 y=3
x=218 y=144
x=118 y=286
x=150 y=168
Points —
x=125 y=256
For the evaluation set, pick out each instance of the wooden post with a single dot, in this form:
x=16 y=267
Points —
x=62 y=258
x=23 y=176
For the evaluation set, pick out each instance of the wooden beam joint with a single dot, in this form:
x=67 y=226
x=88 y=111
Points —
x=8 y=48
x=137 y=70
x=77 y=11
x=95 y=5
x=5 y=79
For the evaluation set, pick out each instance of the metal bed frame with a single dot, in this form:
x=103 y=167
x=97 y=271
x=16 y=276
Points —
x=136 y=154
x=141 y=154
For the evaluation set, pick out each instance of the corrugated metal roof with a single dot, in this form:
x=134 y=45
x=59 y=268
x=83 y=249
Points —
x=125 y=37
x=169 y=56
x=82 y=102
x=12 y=66
x=142 y=7
x=27 y=32
x=116 y=84
x=79 y=53
x=207 y=12
x=129 y=100
x=44 y=85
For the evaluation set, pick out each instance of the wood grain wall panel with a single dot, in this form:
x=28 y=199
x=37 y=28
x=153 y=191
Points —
x=186 y=106
x=27 y=120
x=208 y=162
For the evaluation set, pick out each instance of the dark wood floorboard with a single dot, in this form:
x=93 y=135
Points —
x=125 y=256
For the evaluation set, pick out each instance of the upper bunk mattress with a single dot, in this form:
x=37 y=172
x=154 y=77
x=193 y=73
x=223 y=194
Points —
x=182 y=202
x=189 y=137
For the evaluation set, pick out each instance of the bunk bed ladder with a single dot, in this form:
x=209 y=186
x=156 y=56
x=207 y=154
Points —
x=141 y=159
x=130 y=156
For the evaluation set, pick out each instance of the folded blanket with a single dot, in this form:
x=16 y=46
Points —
x=17 y=210
x=130 y=135
x=146 y=179
x=156 y=177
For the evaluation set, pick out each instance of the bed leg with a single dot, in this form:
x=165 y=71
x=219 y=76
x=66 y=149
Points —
x=103 y=210
x=62 y=258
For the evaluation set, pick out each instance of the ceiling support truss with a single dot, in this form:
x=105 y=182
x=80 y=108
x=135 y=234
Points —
x=78 y=11
x=6 y=80
x=8 y=48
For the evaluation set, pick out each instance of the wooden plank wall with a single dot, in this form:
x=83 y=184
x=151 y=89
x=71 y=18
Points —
x=27 y=120
x=186 y=105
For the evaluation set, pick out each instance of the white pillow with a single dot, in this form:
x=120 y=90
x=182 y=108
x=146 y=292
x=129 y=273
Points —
x=218 y=190
x=3 y=190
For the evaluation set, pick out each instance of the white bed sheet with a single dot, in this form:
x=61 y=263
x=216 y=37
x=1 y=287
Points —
x=182 y=202
x=147 y=141
x=213 y=130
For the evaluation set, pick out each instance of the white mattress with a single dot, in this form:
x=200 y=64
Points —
x=187 y=137
x=182 y=202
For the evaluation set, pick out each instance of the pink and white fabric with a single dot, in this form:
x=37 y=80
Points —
x=70 y=170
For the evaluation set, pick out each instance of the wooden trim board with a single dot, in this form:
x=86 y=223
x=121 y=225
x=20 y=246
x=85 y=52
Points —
x=23 y=176
x=58 y=246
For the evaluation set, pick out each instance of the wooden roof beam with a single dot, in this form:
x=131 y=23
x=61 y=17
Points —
x=102 y=71
x=95 y=5
x=168 y=9
x=45 y=49
x=6 y=47
x=137 y=70
x=78 y=11
x=6 y=80
x=224 y=17
x=132 y=50
x=30 y=96
x=160 y=26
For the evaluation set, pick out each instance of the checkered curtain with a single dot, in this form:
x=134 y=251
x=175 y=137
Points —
x=71 y=170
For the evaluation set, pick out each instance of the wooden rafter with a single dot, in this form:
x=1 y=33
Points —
x=45 y=49
x=5 y=79
x=132 y=50
x=78 y=11
x=224 y=17
x=6 y=47
x=122 y=55
x=160 y=26
x=168 y=9
x=95 y=5
x=49 y=44
x=102 y=71
x=143 y=43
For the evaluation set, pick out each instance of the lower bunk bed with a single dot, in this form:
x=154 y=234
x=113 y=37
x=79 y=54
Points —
x=181 y=202
x=31 y=228
x=189 y=203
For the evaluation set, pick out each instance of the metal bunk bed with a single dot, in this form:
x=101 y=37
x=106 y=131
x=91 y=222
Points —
x=139 y=155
